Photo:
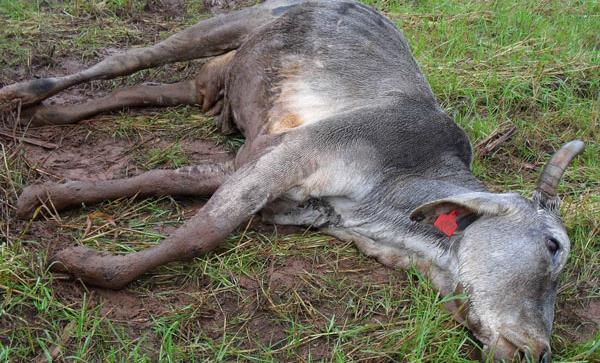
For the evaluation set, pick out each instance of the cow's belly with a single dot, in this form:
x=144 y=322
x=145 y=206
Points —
x=301 y=102
x=299 y=95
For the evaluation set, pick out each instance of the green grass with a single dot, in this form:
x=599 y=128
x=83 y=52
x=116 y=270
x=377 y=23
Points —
x=269 y=296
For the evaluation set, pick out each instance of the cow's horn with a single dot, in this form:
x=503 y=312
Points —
x=555 y=168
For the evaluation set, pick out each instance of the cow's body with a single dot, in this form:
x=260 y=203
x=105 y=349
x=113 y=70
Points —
x=340 y=77
x=342 y=133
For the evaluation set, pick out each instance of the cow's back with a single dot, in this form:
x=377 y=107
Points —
x=319 y=59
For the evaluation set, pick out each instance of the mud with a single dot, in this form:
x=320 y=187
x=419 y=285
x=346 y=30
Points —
x=81 y=155
x=198 y=151
x=131 y=309
x=169 y=8
x=579 y=322
x=289 y=275
x=86 y=153
x=223 y=6
x=137 y=312
x=592 y=312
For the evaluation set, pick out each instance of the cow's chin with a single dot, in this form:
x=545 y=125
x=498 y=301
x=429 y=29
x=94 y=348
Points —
x=507 y=343
x=489 y=340
x=461 y=312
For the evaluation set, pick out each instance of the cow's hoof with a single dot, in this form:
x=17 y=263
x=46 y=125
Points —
x=30 y=116
x=92 y=267
x=30 y=199
x=26 y=93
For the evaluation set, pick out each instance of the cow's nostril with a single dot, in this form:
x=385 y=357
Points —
x=545 y=356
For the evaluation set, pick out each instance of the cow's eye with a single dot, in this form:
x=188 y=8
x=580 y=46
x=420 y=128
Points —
x=553 y=245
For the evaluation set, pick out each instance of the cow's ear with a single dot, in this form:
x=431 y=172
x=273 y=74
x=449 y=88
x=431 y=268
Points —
x=453 y=214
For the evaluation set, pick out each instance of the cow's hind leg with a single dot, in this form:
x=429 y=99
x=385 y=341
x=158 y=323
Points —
x=163 y=95
x=206 y=90
x=210 y=37
x=244 y=193
x=199 y=180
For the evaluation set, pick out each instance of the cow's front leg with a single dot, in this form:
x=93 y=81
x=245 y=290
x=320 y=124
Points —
x=199 y=180
x=243 y=194
x=204 y=232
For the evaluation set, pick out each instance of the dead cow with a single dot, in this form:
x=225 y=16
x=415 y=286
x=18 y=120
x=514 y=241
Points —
x=342 y=133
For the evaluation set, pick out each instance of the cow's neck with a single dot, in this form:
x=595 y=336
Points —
x=382 y=227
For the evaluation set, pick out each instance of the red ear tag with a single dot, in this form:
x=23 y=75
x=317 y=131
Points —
x=447 y=222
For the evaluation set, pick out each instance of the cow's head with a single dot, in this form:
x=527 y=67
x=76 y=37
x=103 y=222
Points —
x=508 y=252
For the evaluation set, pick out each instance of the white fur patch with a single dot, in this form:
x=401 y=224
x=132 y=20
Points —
x=298 y=100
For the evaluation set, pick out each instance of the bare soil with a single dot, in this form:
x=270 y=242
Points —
x=86 y=153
